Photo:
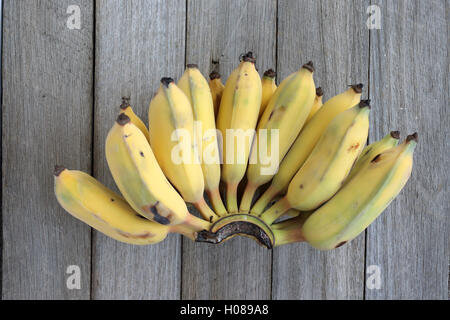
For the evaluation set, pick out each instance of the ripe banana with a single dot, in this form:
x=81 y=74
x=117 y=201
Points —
x=316 y=105
x=126 y=109
x=268 y=88
x=174 y=143
x=88 y=200
x=140 y=179
x=328 y=165
x=196 y=89
x=238 y=114
x=388 y=141
x=305 y=143
x=286 y=113
x=216 y=86
x=362 y=200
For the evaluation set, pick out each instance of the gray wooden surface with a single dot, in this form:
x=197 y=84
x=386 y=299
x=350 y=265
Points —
x=61 y=91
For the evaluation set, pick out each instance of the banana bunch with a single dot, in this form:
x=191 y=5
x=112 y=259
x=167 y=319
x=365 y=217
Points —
x=302 y=166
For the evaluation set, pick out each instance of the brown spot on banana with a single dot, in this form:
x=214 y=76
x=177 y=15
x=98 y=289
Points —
x=340 y=244
x=353 y=147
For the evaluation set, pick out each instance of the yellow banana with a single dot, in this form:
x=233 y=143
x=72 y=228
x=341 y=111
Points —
x=140 y=179
x=174 y=143
x=305 y=143
x=88 y=200
x=316 y=105
x=285 y=114
x=388 y=141
x=238 y=114
x=216 y=86
x=329 y=163
x=362 y=200
x=126 y=109
x=268 y=88
x=196 y=89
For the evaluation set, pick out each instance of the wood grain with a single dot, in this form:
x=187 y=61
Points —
x=220 y=31
x=137 y=43
x=409 y=89
x=333 y=35
x=46 y=117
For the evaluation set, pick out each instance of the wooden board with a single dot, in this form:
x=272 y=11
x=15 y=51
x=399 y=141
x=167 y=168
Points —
x=409 y=88
x=220 y=31
x=137 y=43
x=334 y=37
x=47 y=120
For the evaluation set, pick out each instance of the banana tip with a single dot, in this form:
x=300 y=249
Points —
x=166 y=81
x=270 y=73
x=248 y=57
x=125 y=103
x=319 y=91
x=123 y=119
x=192 y=65
x=365 y=104
x=357 y=87
x=412 y=137
x=58 y=169
x=214 y=75
x=395 y=134
x=309 y=65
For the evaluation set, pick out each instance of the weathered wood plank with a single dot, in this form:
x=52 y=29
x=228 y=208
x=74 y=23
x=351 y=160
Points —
x=220 y=31
x=46 y=116
x=332 y=34
x=137 y=43
x=409 y=89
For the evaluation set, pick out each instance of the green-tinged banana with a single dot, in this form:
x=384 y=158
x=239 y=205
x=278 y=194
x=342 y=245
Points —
x=328 y=165
x=362 y=200
x=316 y=105
x=277 y=129
x=174 y=143
x=126 y=109
x=140 y=179
x=268 y=88
x=196 y=89
x=290 y=230
x=305 y=142
x=216 y=86
x=88 y=200
x=388 y=141
x=238 y=114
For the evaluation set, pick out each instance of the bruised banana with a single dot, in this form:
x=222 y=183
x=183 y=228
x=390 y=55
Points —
x=328 y=165
x=277 y=129
x=238 y=114
x=268 y=88
x=88 y=200
x=305 y=142
x=196 y=89
x=126 y=109
x=173 y=140
x=362 y=200
x=140 y=179
x=216 y=86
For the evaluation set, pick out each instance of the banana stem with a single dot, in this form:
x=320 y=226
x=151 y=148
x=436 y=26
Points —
x=288 y=236
x=196 y=224
x=247 y=198
x=183 y=230
x=232 y=198
x=263 y=201
x=216 y=201
x=205 y=210
x=275 y=211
